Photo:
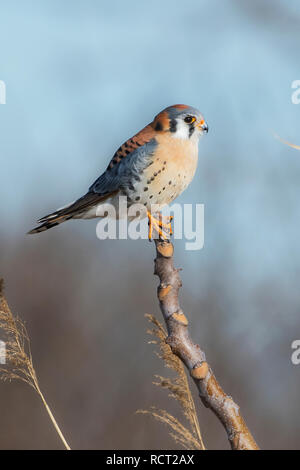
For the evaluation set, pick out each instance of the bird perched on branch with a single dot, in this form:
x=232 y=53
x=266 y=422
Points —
x=153 y=167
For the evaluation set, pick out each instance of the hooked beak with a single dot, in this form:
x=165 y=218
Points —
x=203 y=126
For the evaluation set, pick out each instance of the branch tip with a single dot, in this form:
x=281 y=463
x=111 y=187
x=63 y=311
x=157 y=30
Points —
x=165 y=249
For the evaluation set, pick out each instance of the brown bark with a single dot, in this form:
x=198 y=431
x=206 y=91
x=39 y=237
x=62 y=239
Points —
x=191 y=354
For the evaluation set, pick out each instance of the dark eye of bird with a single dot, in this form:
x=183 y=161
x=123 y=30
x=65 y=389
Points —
x=188 y=119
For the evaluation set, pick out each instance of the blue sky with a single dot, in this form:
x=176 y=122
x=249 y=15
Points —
x=83 y=76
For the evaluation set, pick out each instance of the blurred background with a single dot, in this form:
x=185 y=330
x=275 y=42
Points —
x=82 y=77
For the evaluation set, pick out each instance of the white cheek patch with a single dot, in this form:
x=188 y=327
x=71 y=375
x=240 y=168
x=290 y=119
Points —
x=182 y=130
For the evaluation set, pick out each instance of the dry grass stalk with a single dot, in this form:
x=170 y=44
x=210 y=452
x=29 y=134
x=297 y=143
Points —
x=285 y=142
x=19 y=364
x=189 y=437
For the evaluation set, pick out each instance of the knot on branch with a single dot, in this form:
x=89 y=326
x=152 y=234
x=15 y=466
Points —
x=163 y=291
x=200 y=371
x=180 y=318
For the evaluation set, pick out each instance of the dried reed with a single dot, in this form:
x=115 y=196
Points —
x=188 y=436
x=18 y=359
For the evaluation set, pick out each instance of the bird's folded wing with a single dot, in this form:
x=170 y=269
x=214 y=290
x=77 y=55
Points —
x=128 y=163
x=126 y=166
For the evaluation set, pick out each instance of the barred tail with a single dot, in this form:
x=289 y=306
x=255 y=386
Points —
x=50 y=222
x=77 y=208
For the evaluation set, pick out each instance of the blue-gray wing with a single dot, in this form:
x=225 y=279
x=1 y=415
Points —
x=125 y=168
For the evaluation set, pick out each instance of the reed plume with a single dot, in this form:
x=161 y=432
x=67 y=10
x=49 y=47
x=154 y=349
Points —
x=286 y=142
x=188 y=436
x=18 y=358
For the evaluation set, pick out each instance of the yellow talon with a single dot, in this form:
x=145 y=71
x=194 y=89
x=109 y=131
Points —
x=159 y=225
x=150 y=230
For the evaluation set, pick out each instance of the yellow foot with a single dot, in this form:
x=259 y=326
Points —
x=163 y=229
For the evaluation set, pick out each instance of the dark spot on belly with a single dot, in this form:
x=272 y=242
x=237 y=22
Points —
x=163 y=168
x=151 y=196
x=170 y=182
x=137 y=198
x=146 y=189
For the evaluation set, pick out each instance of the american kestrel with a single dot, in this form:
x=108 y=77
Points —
x=153 y=167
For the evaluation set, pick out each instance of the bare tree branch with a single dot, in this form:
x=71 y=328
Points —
x=191 y=354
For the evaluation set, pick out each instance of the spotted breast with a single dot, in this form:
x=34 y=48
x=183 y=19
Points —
x=171 y=170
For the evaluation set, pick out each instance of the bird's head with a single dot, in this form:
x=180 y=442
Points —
x=182 y=121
